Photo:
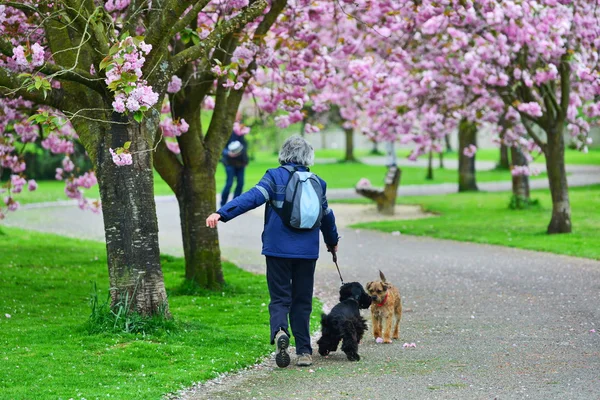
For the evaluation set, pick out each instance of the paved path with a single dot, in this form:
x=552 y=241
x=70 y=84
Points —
x=489 y=322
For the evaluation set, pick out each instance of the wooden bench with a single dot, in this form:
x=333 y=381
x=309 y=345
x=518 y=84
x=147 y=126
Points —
x=384 y=198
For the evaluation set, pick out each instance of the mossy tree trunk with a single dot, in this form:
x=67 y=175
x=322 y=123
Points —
x=467 y=135
x=349 y=135
x=557 y=178
x=191 y=175
x=130 y=222
x=504 y=162
x=429 y=175
x=520 y=183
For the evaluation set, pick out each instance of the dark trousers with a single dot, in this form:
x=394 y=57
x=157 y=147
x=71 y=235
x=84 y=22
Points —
x=290 y=282
x=238 y=174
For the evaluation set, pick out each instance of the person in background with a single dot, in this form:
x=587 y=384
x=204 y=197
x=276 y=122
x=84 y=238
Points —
x=235 y=160
x=291 y=254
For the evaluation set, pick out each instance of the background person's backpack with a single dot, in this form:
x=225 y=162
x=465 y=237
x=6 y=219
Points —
x=302 y=206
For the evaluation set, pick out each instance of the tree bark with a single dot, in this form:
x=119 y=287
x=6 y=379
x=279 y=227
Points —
x=448 y=145
x=557 y=177
x=442 y=160
x=520 y=183
x=349 y=133
x=504 y=163
x=467 y=135
x=429 y=176
x=130 y=223
x=197 y=200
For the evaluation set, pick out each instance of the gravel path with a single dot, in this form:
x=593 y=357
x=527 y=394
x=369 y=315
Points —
x=489 y=322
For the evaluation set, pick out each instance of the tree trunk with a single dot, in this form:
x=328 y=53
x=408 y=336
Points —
x=467 y=135
x=557 y=177
x=441 y=160
x=429 y=176
x=375 y=149
x=504 y=163
x=349 y=132
x=448 y=145
x=197 y=200
x=130 y=222
x=520 y=183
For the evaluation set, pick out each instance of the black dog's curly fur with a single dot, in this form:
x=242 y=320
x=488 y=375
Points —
x=344 y=322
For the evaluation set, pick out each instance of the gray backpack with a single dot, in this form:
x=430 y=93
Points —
x=303 y=203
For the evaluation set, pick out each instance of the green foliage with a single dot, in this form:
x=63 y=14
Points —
x=460 y=217
x=120 y=317
x=47 y=351
x=523 y=203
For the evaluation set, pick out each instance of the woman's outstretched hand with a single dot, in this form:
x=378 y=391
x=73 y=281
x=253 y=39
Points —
x=212 y=220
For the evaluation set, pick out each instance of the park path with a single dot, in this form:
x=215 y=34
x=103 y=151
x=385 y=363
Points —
x=489 y=322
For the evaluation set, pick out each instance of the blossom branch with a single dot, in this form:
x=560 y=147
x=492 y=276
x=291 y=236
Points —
x=201 y=49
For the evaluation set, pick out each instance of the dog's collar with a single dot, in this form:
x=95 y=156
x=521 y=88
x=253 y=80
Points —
x=384 y=300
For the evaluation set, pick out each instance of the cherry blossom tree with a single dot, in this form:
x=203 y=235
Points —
x=540 y=58
x=104 y=69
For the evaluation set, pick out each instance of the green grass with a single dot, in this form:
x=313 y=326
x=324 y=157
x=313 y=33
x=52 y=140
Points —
x=337 y=176
x=485 y=218
x=47 y=353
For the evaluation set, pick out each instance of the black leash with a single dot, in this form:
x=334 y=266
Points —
x=333 y=253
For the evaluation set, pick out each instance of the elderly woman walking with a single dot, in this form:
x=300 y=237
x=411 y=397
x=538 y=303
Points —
x=291 y=253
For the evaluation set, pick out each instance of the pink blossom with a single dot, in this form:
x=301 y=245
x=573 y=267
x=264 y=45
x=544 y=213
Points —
x=19 y=57
x=27 y=132
x=37 y=55
x=68 y=165
x=363 y=183
x=32 y=185
x=174 y=85
x=59 y=174
x=121 y=159
x=532 y=108
x=86 y=180
x=174 y=147
x=146 y=48
x=470 y=151
x=17 y=182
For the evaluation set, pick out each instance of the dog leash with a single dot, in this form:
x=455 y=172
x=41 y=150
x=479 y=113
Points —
x=333 y=253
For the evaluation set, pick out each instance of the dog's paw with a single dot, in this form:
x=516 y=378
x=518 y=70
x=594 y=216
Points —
x=387 y=340
x=353 y=356
x=324 y=352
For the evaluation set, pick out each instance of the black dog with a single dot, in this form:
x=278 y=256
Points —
x=344 y=322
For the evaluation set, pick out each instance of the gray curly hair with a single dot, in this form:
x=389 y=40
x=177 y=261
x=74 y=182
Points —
x=298 y=151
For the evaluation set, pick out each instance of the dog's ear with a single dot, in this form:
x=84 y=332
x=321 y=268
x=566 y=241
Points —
x=368 y=287
x=345 y=292
x=382 y=276
x=385 y=286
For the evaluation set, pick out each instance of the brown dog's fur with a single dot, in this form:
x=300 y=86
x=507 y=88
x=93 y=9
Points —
x=385 y=311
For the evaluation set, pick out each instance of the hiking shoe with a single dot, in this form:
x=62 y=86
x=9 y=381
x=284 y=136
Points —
x=304 y=360
x=282 y=358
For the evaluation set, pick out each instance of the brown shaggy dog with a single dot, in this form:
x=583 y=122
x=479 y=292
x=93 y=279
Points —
x=386 y=309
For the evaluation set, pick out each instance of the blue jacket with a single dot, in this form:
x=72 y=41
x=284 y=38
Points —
x=278 y=239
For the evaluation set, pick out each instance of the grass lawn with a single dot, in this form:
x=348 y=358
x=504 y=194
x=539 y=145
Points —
x=485 y=218
x=47 y=353
x=337 y=176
